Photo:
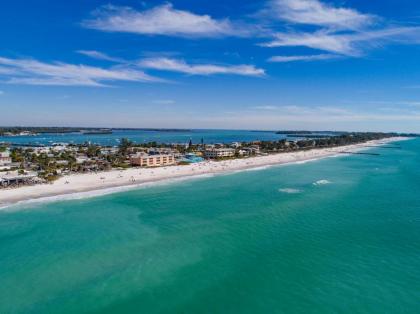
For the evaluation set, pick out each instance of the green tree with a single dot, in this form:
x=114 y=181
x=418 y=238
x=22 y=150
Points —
x=93 y=151
x=125 y=144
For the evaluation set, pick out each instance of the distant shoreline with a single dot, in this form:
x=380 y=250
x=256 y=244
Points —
x=92 y=184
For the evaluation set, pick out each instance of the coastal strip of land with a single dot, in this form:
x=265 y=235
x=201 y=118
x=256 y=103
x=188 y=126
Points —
x=79 y=183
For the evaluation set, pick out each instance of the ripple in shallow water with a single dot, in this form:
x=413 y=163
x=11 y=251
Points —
x=290 y=191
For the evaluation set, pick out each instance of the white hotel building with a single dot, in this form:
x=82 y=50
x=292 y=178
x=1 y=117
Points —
x=219 y=153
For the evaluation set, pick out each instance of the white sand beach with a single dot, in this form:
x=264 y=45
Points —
x=78 y=183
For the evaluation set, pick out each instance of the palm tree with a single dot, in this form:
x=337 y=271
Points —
x=125 y=144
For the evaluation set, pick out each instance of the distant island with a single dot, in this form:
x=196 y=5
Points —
x=323 y=134
x=286 y=132
x=152 y=129
x=98 y=132
x=31 y=131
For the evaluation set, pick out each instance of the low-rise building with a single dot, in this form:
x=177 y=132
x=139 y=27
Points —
x=80 y=158
x=146 y=160
x=219 y=153
x=243 y=152
x=56 y=147
x=16 y=179
x=109 y=150
x=160 y=151
x=251 y=150
x=255 y=149
x=5 y=159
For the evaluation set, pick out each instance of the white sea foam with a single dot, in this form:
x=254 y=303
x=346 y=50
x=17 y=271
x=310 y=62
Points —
x=257 y=168
x=290 y=191
x=5 y=205
x=321 y=182
x=98 y=192
x=301 y=162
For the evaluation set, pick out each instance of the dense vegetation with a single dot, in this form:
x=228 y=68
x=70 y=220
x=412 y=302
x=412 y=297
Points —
x=326 y=141
x=19 y=129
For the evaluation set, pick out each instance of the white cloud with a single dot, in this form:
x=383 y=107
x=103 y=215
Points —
x=179 y=65
x=283 y=59
x=314 y=12
x=412 y=103
x=304 y=110
x=349 y=44
x=333 y=110
x=160 y=20
x=33 y=72
x=164 y=101
x=335 y=29
x=338 y=30
x=312 y=117
x=319 y=40
x=265 y=107
x=6 y=71
x=176 y=65
x=99 y=55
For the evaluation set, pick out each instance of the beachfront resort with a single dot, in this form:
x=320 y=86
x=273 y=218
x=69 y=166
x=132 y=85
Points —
x=22 y=165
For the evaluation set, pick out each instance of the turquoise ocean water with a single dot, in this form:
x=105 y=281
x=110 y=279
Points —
x=338 y=235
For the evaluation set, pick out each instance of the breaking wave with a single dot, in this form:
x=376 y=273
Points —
x=321 y=182
x=290 y=191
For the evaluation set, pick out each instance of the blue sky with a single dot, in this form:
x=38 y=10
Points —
x=274 y=64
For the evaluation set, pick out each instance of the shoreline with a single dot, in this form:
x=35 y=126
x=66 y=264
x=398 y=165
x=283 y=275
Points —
x=114 y=181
